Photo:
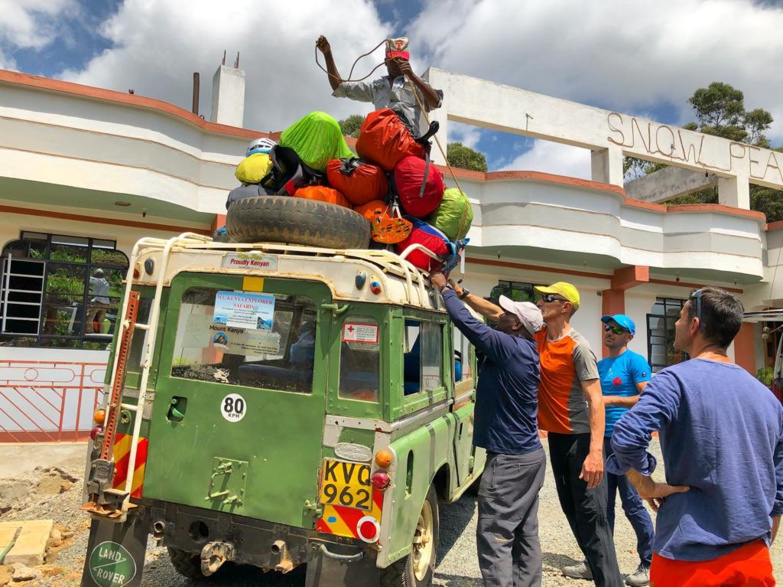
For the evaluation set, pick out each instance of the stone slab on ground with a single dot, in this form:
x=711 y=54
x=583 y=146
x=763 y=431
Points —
x=30 y=546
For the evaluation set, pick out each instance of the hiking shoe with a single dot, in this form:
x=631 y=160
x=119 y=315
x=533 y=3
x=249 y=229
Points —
x=640 y=577
x=579 y=571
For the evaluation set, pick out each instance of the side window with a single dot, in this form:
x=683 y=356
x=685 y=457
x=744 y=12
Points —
x=360 y=359
x=423 y=359
x=252 y=339
x=462 y=357
x=431 y=356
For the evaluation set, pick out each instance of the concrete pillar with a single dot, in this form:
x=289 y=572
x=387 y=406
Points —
x=218 y=222
x=442 y=136
x=228 y=96
x=612 y=302
x=745 y=348
x=734 y=192
x=607 y=165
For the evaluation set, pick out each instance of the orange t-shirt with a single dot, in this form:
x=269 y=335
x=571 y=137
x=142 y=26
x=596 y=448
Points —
x=565 y=363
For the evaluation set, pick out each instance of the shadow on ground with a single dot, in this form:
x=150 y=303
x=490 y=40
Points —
x=454 y=518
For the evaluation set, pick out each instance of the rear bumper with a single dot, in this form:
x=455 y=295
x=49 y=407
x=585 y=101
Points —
x=263 y=544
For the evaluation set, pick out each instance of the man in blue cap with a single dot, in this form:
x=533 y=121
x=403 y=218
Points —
x=623 y=374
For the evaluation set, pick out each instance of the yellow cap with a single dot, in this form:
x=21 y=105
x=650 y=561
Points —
x=562 y=289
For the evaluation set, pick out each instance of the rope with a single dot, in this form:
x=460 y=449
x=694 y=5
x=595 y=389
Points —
x=437 y=141
x=350 y=73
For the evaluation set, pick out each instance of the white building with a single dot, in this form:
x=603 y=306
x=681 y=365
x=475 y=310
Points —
x=85 y=172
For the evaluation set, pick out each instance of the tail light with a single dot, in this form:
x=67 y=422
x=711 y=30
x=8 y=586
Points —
x=368 y=529
x=99 y=417
x=380 y=480
x=383 y=458
x=95 y=432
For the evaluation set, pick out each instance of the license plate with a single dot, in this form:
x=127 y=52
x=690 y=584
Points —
x=346 y=484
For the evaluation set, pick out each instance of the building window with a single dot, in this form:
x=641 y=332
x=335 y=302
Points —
x=516 y=290
x=660 y=334
x=60 y=291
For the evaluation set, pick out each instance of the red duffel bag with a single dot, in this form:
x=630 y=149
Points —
x=419 y=198
x=358 y=181
x=384 y=140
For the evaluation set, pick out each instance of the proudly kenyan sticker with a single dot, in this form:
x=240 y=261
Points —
x=111 y=565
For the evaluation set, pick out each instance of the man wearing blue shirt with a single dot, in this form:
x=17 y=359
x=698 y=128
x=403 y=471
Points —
x=721 y=435
x=623 y=374
x=507 y=540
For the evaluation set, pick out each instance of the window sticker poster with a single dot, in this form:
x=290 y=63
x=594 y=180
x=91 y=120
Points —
x=240 y=341
x=360 y=332
x=244 y=310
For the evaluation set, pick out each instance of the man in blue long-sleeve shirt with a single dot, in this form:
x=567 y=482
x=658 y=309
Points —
x=506 y=410
x=721 y=435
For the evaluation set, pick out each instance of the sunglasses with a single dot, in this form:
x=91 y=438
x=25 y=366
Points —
x=549 y=298
x=697 y=296
x=615 y=329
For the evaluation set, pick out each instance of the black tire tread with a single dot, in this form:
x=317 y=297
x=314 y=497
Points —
x=186 y=563
x=296 y=221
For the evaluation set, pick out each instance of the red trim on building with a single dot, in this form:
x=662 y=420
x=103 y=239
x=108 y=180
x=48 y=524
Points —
x=111 y=221
x=745 y=348
x=53 y=85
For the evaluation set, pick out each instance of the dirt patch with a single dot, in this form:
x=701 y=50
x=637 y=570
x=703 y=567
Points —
x=17 y=495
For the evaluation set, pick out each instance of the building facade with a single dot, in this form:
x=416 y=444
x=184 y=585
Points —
x=86 y=172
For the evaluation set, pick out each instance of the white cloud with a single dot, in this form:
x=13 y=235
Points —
x=158 y=44
x=31 y=23
x=464 y=133
x=616 y=54
x=549 y=157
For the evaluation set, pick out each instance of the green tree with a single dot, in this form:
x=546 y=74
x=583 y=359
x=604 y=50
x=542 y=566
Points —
x=720 y=111
x=462 y=157
x=351 y=125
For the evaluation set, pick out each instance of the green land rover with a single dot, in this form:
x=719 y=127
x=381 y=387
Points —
x=277 y=406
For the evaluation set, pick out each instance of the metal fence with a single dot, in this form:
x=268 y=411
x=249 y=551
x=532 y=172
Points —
x=48 y=401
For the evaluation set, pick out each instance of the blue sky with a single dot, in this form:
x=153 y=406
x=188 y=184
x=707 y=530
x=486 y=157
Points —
x=613 y=55
x=76 y=41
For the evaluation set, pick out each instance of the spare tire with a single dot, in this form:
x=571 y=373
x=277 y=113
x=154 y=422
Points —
x=296 y=221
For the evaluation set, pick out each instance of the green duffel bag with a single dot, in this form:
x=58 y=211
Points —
x=454 y=215
x=317 y=139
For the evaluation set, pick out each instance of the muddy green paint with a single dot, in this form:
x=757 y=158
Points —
x=266 y=465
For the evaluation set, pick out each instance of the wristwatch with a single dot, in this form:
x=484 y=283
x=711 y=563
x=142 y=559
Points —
x=445 y=286
x=464 y=294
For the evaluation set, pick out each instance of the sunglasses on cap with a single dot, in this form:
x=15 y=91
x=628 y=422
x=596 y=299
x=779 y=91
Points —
x=549 y=298
x=615 y=329
x=697 y=296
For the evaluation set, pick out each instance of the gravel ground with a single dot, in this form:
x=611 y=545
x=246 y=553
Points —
x=56 y=493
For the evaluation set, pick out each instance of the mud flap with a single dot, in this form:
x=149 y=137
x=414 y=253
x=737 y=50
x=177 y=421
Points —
x=115 y=553
x=336 y=565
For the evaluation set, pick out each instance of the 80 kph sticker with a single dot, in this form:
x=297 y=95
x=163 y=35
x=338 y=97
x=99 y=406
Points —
x=233 y=407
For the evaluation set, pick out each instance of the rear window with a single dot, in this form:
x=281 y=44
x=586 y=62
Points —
x=251 y=339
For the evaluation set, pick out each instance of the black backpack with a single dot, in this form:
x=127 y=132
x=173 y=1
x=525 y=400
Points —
x=289 y=173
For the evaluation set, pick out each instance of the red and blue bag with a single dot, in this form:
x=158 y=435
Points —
x=435 y=241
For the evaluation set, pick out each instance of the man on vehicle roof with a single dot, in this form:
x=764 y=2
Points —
x=401 y=90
